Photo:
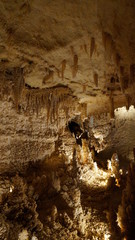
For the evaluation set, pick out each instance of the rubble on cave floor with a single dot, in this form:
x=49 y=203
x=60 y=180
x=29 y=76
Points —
x=60 y=200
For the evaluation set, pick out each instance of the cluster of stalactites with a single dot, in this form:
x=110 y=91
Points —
x=56 y=100
x=53 y=100
x=125 y=75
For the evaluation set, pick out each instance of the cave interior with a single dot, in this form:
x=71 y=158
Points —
x=67 y=120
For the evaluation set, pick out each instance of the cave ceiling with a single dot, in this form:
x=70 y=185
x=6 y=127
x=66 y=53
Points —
x=87 y=46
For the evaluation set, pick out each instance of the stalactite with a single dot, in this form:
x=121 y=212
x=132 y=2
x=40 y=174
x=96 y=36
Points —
x=32 y=103
x=63 y=68
x=132 y=73
x=92 y=46
x=122 y=77
x=42 y=100
x=18 y=85
x=66 y=112
x=117 y=59
x=83 y=110
x=25 y=7
x=96 y=79
x=125 y=82
x=108 y=44
x=27 y=98
x=38 y=103
x=110 y=47
x=81 y=47
x=48 y=76
x=85 y=48
x=84 y=88
x=37 y=106
x=53 y=108
x=33 y=100
x=57 y=110
x=48 y=110
x=127 y=101
x=111 y=100
x=105 y=38
x=58 y=73
x=75 y=66
x=72 y=50
x=122 y=70
x=51 y=111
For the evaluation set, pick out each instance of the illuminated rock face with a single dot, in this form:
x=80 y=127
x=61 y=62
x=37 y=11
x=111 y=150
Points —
x=63 y=62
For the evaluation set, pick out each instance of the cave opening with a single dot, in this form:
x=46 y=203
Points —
x=78 y=132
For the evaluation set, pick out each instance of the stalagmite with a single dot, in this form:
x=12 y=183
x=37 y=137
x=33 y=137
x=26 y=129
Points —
x=84 y=152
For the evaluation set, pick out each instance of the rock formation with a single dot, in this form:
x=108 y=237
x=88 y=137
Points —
x=67 y=119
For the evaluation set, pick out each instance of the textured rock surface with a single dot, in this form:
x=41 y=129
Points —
x=31 y=133
x=64 y=212
x=90 y=51
x=60 y=62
